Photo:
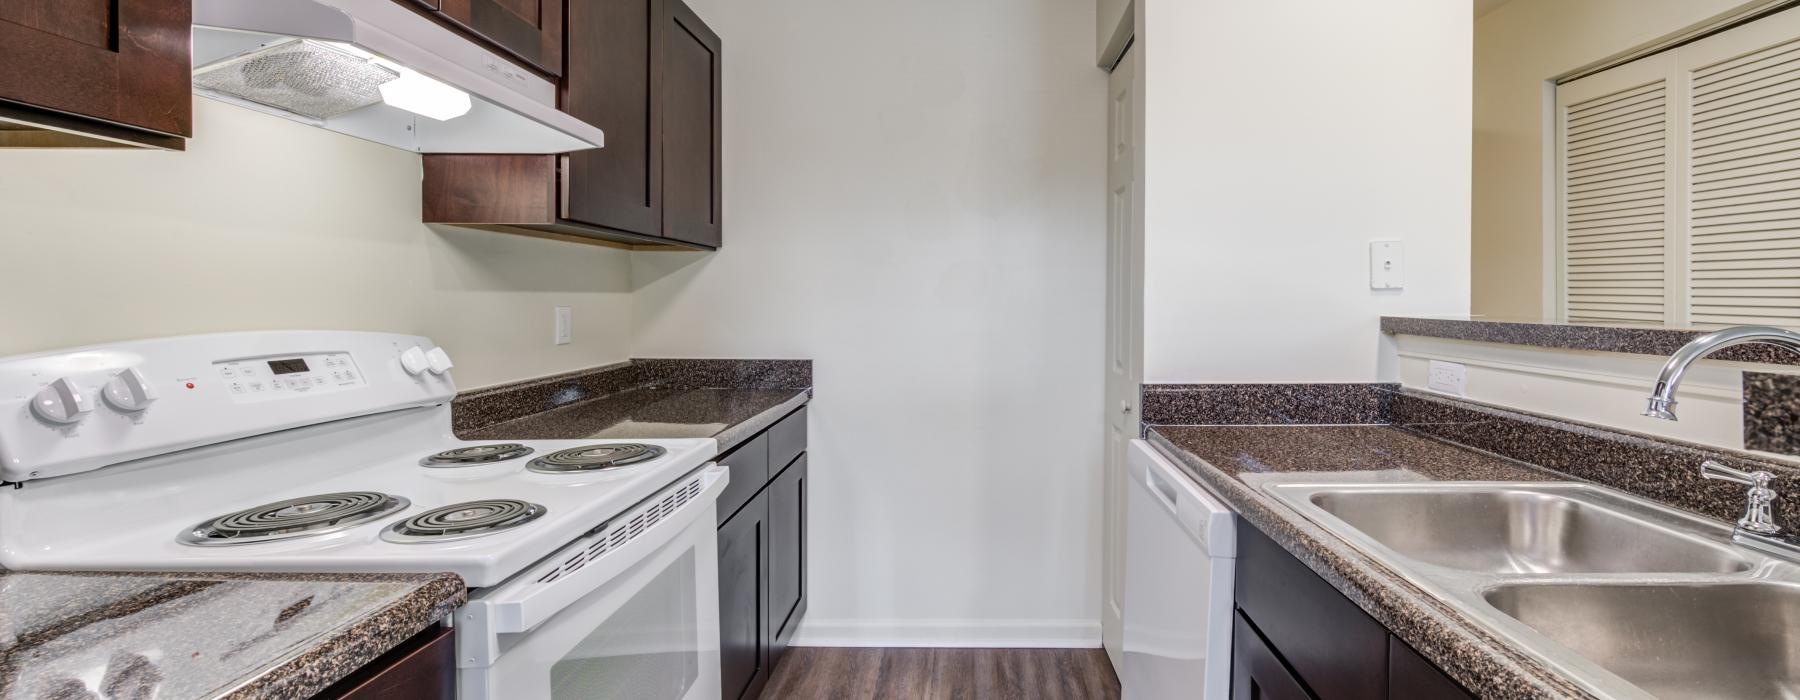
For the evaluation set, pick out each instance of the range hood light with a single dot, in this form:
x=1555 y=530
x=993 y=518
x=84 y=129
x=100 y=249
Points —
x=423 y=95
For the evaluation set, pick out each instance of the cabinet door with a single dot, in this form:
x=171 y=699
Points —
x=690 y=101
x=787 y=553
x=1411 y=677
x=744 y=601
x=421 y=668
x=749 y=469
x=121 y=61
x=612 y=71
x=1256 y=672
x=529 y=29
x=1330 y=643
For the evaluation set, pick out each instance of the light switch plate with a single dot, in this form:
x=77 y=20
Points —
x=1448 y=377
x=565 y=325
x=1387 y=265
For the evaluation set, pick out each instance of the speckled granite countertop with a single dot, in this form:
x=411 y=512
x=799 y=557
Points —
x=1643 y=339
x=728 y=415
x=1236 y=461
x=728 y=400
x=173 y=636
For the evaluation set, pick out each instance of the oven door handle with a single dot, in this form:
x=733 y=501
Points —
x=521 y=607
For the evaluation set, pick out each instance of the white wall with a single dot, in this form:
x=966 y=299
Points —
x=1281 y=138
x=1603 y=388
x=915 y=199
x=264 y=223
x=1519 y=47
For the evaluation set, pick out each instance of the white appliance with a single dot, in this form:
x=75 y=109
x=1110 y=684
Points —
x=379 y=71
x=593 y=562
x=1180 y=547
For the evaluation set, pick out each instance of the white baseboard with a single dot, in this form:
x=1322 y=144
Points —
x=1003 y=634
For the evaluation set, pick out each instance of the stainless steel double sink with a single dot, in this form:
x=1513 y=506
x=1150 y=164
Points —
x=1630 y=598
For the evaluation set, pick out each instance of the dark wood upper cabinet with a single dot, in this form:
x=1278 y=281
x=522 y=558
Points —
x=613 y=45
x=647 y=72
x=95 y=73
x=531 y=30
x=691 y=118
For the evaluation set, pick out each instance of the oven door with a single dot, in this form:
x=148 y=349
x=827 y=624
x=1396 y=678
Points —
x=629 y=612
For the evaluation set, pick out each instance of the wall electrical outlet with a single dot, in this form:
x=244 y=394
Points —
x=565 y=325
x=1387 y=265
x=1448 y=377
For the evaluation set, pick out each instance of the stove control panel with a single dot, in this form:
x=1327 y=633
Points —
x=288 y=376
x=79 y=409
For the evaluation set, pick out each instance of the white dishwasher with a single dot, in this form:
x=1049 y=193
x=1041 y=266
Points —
x=1180 y=549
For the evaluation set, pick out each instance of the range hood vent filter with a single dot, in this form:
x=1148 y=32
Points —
x=309 y=78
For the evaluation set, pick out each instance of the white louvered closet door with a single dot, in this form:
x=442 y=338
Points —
x=1617 y=194
x=1743 y=173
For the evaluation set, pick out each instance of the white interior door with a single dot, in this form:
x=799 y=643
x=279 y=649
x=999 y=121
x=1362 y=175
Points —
x=1124 y=328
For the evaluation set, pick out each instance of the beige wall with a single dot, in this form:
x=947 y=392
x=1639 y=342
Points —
x=1518 y=48
x=264 y=223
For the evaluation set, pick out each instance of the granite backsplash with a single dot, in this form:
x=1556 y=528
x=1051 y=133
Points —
x=1771 y=412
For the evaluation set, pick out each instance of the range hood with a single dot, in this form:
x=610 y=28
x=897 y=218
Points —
x=377 y=71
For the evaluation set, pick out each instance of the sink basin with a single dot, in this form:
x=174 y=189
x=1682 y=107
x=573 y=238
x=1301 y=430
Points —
x=1700 y=640
x=1498 y=530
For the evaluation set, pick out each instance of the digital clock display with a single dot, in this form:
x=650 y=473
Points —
x=288 y=366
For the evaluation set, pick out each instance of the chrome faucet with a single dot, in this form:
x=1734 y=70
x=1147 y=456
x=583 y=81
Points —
x=1662 y=399
x=1757 y=526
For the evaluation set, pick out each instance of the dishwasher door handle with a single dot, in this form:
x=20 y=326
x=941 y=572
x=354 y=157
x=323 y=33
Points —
x=1199 y=512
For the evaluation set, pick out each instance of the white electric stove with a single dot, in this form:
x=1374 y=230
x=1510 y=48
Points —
x=593 y=561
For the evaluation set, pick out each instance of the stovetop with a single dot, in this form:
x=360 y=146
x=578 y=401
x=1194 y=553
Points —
x=145 y=515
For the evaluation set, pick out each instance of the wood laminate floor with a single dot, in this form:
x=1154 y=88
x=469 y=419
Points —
x=809 y=673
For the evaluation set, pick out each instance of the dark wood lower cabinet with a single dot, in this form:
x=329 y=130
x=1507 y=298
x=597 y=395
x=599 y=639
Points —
x=421 y=668
x=787 y=555
x=1411 y=676
x=1256 y=672
x=1293 y=625
x=743 y=601
x=750 y=472
x=762 y=556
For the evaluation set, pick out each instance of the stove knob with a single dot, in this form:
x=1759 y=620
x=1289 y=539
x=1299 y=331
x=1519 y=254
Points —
x=129 y=391
x=439 y=360
x=413 y=360
x=61 y=402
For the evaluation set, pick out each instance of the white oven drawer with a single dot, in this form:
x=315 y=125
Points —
x=640 y=620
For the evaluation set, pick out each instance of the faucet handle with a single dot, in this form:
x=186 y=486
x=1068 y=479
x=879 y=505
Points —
x=1714 y=470
x=1759 y=516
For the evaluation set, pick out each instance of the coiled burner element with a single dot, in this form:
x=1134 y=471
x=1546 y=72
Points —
x=476 y=455
x=463 y=521
x=295 y=517
x=595 y=458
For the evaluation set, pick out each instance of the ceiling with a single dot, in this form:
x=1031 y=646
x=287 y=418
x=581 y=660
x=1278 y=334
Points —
x=1483 y=7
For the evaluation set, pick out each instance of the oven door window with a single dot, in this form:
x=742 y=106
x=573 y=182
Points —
x=645 y=650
